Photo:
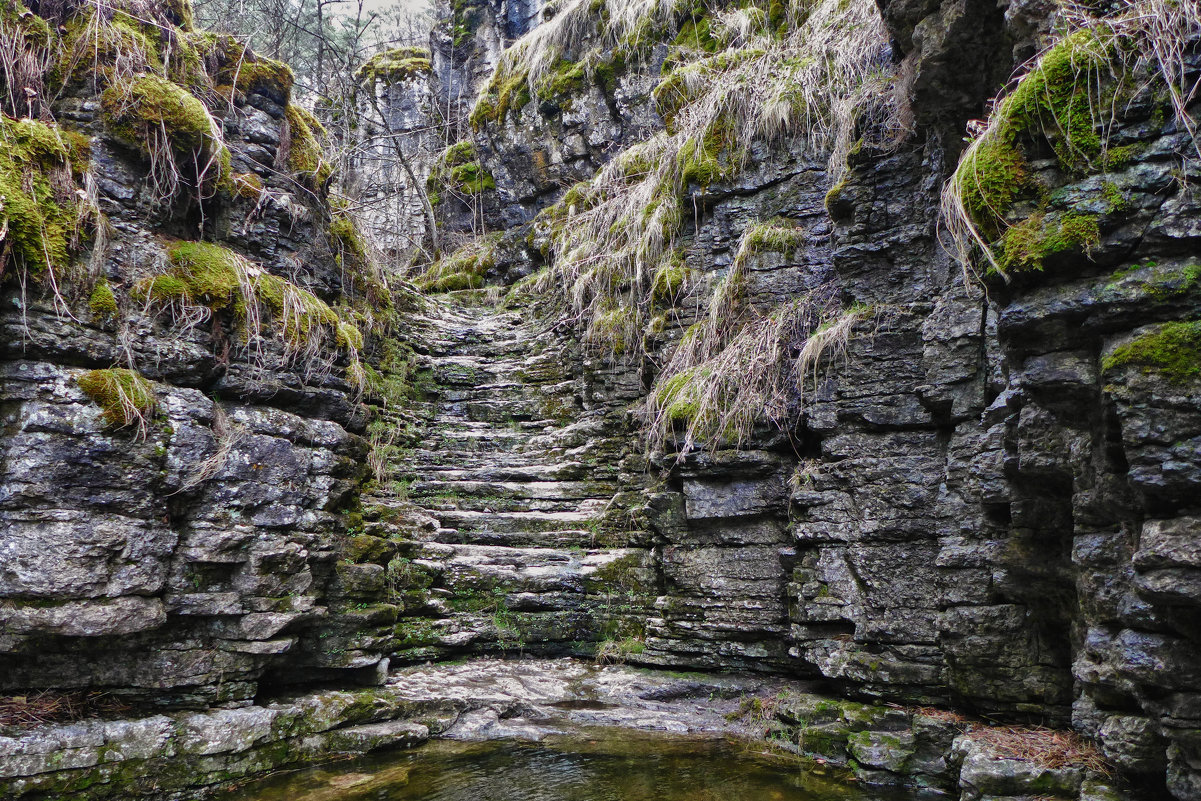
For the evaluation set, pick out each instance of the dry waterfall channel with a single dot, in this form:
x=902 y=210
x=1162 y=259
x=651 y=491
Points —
x=810 y=384
x=504 y=498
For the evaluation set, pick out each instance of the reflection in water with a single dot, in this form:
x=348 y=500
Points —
x=593 y=765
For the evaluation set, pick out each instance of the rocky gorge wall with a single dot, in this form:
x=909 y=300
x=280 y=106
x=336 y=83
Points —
x=987 y=502
x=981 y=495
x=181 y=430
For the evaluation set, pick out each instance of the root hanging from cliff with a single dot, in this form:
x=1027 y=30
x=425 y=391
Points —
x=1071 y=95
x=227 y=436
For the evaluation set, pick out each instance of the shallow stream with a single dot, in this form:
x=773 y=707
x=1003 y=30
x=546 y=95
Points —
x=590 y=765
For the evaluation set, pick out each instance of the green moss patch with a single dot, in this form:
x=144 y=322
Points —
x=92 y=44
x=565 y=79
x=504 y=93
x=125 y=397
x=680 y=396
x=711 y=158
x=265 y=76
x=777 y=235
x=41 y=210
x=305 y=156
x=394 y=66
x=458 y=171
x=1026 y=245
x=148 y=103
x=102 y=301
x=204 y=274
x=466 y=268
x=1060 y=102
x=1172 y=349
x=247 y=185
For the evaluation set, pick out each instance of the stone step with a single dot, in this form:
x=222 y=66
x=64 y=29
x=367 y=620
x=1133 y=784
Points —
x=500 y=523
x=512 y=471
x=515 y=490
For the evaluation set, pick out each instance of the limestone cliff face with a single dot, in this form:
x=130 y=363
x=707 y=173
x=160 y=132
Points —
x=980 y=493
x=989 y=502
x=174 y=552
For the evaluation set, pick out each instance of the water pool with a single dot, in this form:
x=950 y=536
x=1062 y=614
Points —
x=590 y=765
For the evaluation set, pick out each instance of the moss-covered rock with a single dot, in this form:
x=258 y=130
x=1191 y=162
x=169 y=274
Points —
x=1172 y=350
x=125 y=396
x=102 y=301
x=394 y=66
x=1028 y=244
x=43 y=215
x=205 y=274
x=305 y=156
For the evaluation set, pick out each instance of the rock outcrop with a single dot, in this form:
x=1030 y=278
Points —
x=967 y=482
x=174 y=473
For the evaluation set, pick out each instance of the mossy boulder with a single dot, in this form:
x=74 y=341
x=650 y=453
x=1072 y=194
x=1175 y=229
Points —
x=394 y=66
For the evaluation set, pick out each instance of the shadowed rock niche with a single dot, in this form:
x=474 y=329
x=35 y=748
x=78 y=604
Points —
x=748 y=351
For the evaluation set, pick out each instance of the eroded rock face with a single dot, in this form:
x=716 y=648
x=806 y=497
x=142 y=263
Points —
x=173 y=563
x=979 y=506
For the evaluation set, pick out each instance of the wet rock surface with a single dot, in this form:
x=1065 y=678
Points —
x=192 y=755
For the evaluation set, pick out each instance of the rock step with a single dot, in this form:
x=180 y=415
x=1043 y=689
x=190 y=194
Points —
x=438 y=505
x=420 y=462
x=509 y=471
x=478 y=576
x=536 y=522
x=514 y=490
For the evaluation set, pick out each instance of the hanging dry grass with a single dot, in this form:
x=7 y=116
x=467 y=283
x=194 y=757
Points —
x=1070 y=94
x=715 y=393
x=828 y=78
x=227 y=436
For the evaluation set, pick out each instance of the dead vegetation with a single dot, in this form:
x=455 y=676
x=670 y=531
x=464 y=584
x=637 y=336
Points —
x=816 y=89
x=1048 y=748
x=1071 y=95
x=49 y=706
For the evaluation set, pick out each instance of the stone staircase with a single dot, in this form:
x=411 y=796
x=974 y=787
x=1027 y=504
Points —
x=513 y=535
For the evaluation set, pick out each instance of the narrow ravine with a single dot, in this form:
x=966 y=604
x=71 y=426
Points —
x=504 y=497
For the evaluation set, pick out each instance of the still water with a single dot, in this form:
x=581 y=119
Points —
x=604 y=765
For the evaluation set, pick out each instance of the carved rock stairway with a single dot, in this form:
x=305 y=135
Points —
x=503 y=503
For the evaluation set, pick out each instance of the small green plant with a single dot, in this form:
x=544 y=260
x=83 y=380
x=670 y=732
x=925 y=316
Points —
x=126 y=398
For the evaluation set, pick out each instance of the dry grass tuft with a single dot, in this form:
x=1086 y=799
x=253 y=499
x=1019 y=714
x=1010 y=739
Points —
x=1142 y=38
x=734 y=371
x=824 y=83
